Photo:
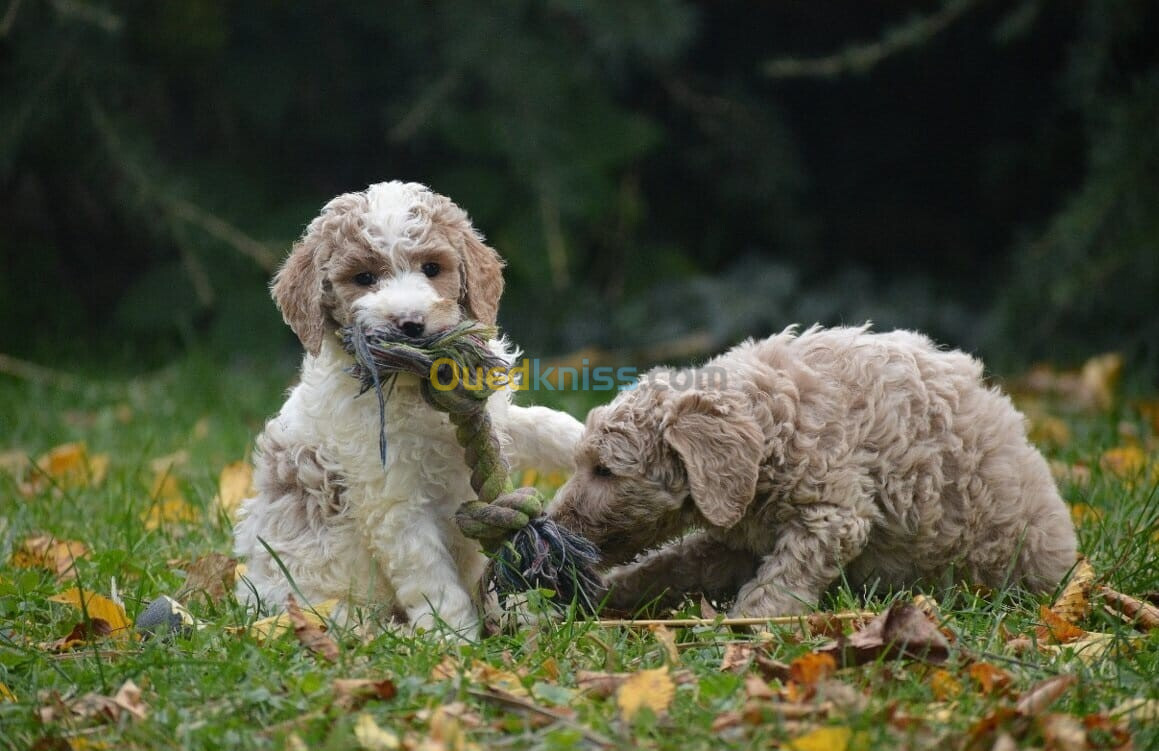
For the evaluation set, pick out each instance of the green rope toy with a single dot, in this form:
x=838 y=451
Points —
x=528 y=550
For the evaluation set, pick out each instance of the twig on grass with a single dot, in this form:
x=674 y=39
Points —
x=780 y=620
x=521 y=704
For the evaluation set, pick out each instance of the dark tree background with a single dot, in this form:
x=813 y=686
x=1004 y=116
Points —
x=987 y=171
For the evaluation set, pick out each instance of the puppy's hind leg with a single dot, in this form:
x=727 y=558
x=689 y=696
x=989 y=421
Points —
x=695 y=563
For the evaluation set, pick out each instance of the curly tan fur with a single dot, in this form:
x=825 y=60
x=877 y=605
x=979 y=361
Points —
x=834 y=452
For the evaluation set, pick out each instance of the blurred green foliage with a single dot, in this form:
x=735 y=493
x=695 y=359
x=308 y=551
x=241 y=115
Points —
x=993 y=181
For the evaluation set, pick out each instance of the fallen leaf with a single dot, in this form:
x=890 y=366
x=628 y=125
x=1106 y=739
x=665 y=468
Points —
x=988 y=677
x=1074 y=604
x=274 y=626
x=310 y=632
x=651 y=689
x=1124 y=462
x=82 y=633
x=371 y=737
x=447 y=669
x=1036 y=701
x=212 y=576
x=808 y=669
x=902 y=631
x=497 y=678
x=47 y=552
x=447 y=727
x=822 y=739
x=1082 y=515
x=1055 y=630
x=737 y=657
x=235 y=484
x=1095 y=646
x=602 y=685
x=944 y=685
x=126 y=701
x=169 y=505
x=1138 y=709
x=96 y=606
x=352 y=693
x=667 y=639
x=1063 y=732
x=757 y=688
x=67 y=466
x=1143 y=614
x=165 y=465
x=1048 y=430
x=6 y=693
x=707 y=611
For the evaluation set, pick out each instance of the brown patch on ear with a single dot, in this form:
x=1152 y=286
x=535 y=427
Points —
x=297 y=290
x=720 y=445
x=482 y=279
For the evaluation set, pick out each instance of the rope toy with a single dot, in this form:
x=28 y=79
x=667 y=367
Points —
x=528 y=550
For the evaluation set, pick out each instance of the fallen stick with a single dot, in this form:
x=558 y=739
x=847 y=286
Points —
x=779 y=620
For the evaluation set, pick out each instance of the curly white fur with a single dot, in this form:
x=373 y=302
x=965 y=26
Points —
x=341 y=523
x=801 y=458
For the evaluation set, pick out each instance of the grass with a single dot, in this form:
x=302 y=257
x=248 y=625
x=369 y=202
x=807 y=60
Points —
x=217 y=688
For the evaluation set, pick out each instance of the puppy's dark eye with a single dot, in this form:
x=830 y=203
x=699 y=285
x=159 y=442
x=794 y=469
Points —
x=601 y=471
x=365 y=279
x=431 y=269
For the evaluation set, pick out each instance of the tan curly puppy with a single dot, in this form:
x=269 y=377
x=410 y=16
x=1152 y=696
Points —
x=801 y=458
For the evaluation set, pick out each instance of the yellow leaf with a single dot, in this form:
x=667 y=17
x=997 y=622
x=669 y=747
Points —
x=235 y=484
x=6 y=693
x=944 y=685
x=1048 y=430
x=276 y=625
x=653 y=689
x=47 y=552
x=1082 y=514
x=822 y=739
x=1126 y=462
x=371 y=737
x=1074 y=602
x=169 y=511
x=988 y=677
x=808 y=669
x=1099 y=378
x=494 y=677
x=97 y=606
x=667 y=639
x=69 y=466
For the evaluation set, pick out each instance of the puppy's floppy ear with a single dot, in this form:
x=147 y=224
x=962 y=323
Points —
x=719 y=442
x=297 y=290
x=482 y=278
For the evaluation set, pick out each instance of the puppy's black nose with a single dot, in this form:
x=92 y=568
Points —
x=413 y=329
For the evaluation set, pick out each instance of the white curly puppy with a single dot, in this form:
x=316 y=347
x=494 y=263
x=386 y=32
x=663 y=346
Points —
x=341 y=523
x=802 y=457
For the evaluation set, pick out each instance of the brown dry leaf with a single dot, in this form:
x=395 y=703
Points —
x=822 y=739
x=213 y=576
x=47 y=552
x=1063 y=732
x=98 y=606
x=371 y=737
x=808 y=669
x=448 y=669
x=352 y=693
x=1142 y=614
x=667 y=639
x=902 y=631
x=944 y=685
x=125 y=702
x=651 y=689
x=82 y=633
x=1055 y=630
x=497 y=678
x=235 y=484
x=756 y=687
x=1039 y=698
x=310 y=632
x=447 y=727
x=737 y=657
x=988 y=677
x=1074 y=603
x=707 y=611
